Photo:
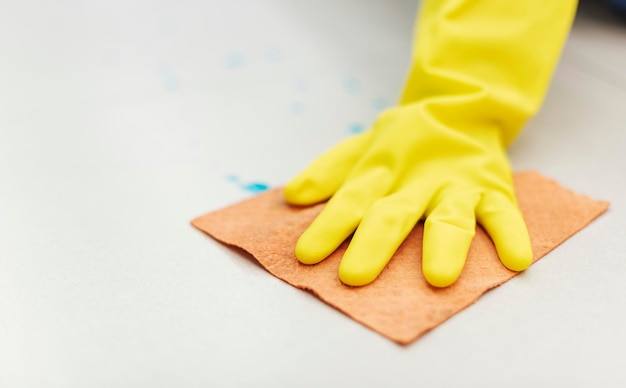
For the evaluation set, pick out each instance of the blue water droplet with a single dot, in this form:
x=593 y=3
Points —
x=235 y=61
x=255 y=187
x=297 y=107
x=170 y=81
x=355 y=128
x=232 y=178
x=380 y=103
x=301 y=85
x=352 y=84
x=273 y=55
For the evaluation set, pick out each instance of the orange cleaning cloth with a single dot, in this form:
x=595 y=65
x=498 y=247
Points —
x=400 y=304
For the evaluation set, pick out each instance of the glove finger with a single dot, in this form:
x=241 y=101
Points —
x=384 y=227
x=503 y=221
x=342 y=215
x=448 y=233
x=322 y=178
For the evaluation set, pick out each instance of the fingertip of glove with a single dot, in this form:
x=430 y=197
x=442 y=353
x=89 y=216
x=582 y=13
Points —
x=307 y=254
x=355 y=277
x=300 y=193
x=440 y=278
x=292 y=193
x=517 y=261
x=517 y=253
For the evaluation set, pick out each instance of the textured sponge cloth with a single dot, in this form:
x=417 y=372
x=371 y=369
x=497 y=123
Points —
x=400 y=304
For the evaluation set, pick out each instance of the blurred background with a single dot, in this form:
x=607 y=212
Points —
x=120 y=121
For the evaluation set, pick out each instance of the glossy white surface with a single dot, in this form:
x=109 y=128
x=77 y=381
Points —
x=120 y=121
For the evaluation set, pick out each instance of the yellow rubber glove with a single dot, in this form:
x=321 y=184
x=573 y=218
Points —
x=480 y=70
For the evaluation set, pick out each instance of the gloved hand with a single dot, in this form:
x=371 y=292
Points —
x=406 y=167
x=480 y=70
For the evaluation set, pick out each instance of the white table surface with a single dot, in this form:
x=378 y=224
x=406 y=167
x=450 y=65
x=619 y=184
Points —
x=120 y=121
